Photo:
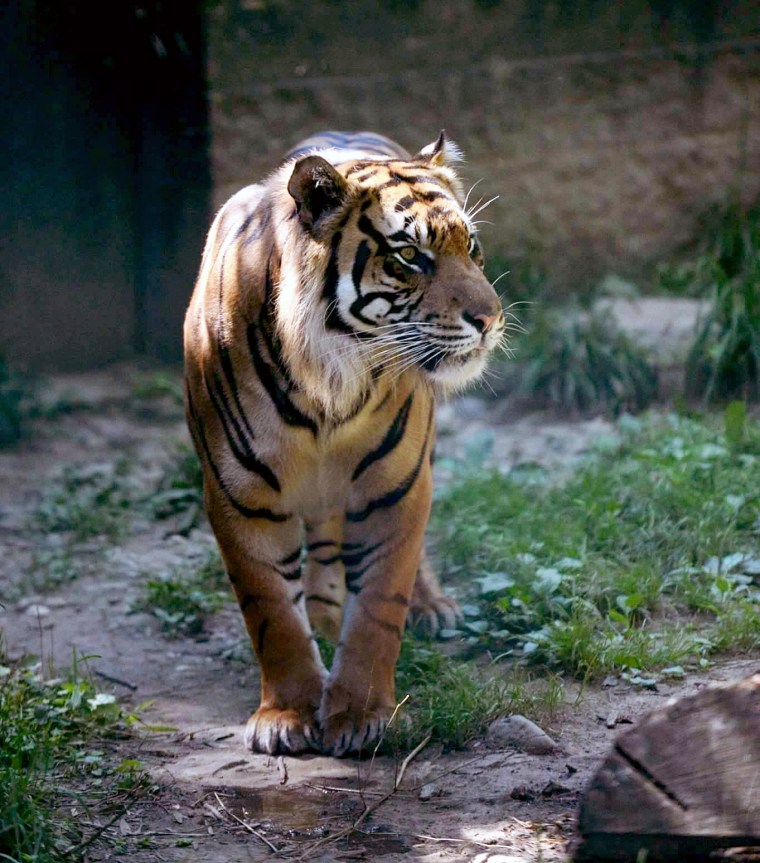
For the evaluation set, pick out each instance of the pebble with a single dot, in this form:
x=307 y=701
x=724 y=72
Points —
x=429 y=791
x=520 y=733
x=35 y=610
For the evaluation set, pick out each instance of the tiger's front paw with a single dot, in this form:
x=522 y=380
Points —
x=431 y=613
x=282 y=732
x=351 y=725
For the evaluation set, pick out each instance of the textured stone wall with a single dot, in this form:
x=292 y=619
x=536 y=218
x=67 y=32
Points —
x=604 y=159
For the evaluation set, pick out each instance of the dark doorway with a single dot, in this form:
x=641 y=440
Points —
x=106 y=178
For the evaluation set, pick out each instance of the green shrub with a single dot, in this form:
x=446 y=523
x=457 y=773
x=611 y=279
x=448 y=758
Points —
x=579 y=362
x=14 y=392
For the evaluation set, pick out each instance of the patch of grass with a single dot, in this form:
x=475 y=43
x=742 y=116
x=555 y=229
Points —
x=14 y=395
x=180 y=490
x=578 y=361
x=183 y=600
x=455 y=701
x=648 y=555
x=53 y=735
x=158 y=385
x=87 y=502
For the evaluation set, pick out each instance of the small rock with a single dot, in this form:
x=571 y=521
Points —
x=520 y=733
x=36 y=610
x=522 y=792
x=554 y=789
x=429 y=791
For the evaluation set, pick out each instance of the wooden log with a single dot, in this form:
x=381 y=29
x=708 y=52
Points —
x=684 y=781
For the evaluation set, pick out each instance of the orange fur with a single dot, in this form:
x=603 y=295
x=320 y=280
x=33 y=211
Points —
x=334 y=301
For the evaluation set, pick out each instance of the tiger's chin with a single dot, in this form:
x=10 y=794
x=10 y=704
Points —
x=457 y=372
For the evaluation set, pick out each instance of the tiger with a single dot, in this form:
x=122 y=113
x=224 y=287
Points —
x=335 y=301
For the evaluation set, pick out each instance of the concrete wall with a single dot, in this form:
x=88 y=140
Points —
x=605 y=143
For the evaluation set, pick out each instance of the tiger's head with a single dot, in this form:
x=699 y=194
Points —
x=395 y=277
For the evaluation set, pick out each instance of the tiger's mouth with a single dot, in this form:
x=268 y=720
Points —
x=454 y=371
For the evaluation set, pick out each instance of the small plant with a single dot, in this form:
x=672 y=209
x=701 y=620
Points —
x=183 y=600
x=87 y=502
x=52 y=733
x=579 y=362
x=180 y=490
x=157 y=385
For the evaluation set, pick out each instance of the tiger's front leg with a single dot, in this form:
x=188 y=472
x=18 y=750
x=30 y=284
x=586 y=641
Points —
x=381 y=553
x=263 y=560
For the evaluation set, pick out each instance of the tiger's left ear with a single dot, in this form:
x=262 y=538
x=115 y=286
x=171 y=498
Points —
x=440 y=152
x=317 y=188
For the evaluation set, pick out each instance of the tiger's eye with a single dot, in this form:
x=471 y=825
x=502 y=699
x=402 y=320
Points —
x=408 y=253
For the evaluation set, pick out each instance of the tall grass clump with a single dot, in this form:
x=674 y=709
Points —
x=577 y=361
x=724 y=360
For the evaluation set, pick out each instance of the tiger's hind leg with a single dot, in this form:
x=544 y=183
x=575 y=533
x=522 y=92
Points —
x=325 y=579
x=431 y=609
x=263 y=559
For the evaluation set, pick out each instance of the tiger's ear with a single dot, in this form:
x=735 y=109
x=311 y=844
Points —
x=317 y=188
x=440 y=152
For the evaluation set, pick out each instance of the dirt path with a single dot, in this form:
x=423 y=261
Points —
x=484 y=804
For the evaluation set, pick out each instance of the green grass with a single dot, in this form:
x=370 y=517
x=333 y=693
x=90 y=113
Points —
x=55 y=733
x=180 y=490
x=455 y=700
x=647 y=556
x=183 y=600
x=88 y=503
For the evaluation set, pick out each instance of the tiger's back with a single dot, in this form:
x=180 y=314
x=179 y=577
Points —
x=334 y=300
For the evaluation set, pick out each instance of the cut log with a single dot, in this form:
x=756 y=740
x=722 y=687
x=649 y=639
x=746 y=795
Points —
x=681 y=783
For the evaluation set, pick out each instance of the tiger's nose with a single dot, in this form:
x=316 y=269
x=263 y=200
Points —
x=483 y=323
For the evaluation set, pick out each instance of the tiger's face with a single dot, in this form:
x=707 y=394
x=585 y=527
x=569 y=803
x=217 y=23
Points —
x=405 y=270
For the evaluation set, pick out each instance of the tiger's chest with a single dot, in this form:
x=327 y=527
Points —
x=324 y=468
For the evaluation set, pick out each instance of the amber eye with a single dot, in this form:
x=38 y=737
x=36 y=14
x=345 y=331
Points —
x=408 y=253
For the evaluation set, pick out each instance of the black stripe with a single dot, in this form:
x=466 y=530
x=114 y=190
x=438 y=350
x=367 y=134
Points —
x=353 y=577
x=391 y=440
x=313 y=597
x=360 y=263
x=330 y=288
x=366 y=227
x=297 y=598
x=247 y=511
x=247 y=600
x=383 y=624
x=241 y=448
x=263 y=626
x=291 y=558
x=404 y=203
x=392 y=497
x=229 y=373
x=295 y=575
x=354 y=559
x=266 y=322
x=322 y=543
x=288 y=412
x=328 y=561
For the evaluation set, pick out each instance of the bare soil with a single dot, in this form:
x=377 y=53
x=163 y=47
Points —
x=217 y=801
